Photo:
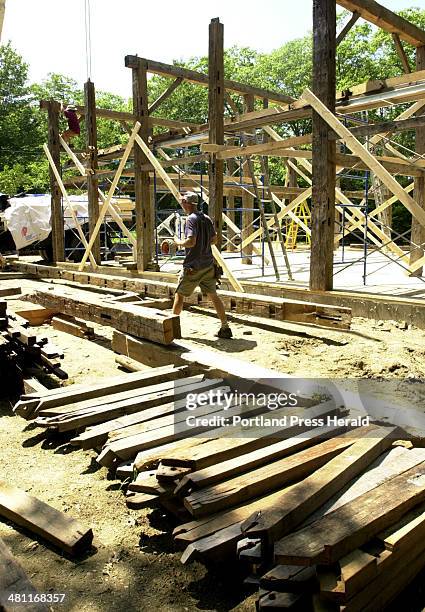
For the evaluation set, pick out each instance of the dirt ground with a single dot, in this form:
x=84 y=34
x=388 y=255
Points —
x=134 y=564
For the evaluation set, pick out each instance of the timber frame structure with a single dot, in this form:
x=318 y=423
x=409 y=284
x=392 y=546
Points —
x=248 y=136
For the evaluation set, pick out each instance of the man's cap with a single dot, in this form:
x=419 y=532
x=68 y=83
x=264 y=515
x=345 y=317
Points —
x=191 y=196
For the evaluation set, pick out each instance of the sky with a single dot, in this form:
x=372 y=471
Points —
x=50 y=34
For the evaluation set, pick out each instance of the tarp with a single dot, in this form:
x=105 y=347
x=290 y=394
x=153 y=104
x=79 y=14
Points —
x=28 y=218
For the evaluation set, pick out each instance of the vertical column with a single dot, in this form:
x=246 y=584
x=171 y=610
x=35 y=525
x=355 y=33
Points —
x=216 y=121
x=91 y=144
x=230 y=200
x=57 y=235
x=418 y=232
x=323 y=198
x=143 y=205
x=247 y=226
x=247 y=200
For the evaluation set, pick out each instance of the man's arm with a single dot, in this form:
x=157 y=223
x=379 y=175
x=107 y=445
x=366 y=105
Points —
x=213 y=239
x=187 y=243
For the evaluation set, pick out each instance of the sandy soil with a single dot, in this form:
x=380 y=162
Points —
x=134 y=565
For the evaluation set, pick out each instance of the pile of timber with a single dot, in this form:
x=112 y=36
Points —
x=323 y=513
x=21 y=349
x=149 y=323
x=277 y=308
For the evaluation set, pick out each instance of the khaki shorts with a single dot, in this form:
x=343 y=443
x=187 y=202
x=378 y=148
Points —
x=204 y=278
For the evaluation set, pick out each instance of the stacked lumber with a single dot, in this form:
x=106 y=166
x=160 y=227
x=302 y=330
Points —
x=149 y=323
x=278 y=308
x=324 y=510
x=21 y=349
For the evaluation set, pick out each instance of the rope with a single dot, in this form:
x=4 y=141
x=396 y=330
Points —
x=87 y=24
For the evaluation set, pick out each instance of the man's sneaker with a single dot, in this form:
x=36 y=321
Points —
x=224 y=332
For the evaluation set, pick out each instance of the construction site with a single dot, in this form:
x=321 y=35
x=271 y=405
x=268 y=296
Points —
x=147 y=464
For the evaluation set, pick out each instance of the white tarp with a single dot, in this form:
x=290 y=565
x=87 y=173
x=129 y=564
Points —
x=28 y=218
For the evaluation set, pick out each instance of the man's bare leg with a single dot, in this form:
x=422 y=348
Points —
x=178 y=303
x=225 y=331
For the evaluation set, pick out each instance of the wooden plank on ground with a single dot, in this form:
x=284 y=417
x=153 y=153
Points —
x=43 y=520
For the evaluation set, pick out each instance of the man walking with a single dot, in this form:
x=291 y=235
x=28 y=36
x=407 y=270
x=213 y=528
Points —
x=198 y=264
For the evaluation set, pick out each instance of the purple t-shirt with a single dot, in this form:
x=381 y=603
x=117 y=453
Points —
x=73 y=122
x=199 y=256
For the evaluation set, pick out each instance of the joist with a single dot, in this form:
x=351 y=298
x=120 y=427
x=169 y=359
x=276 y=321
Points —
x=14 y=581
x=333 y=536
x=266 y=478
x=142 y=322
x=291 y=578
x=308 y=495
x=41 y=519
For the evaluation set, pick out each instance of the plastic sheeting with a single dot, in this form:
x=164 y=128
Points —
x=28 y=218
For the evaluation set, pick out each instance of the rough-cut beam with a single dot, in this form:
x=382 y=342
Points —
x=144 y=208
x=401 y=53
x=92 y=165
x=387 y=20
x=57 y=235
x=202 y=79
x=165 y=94
x=106 y=113
x=354 y=18
x=216 y=119
x=323 y=195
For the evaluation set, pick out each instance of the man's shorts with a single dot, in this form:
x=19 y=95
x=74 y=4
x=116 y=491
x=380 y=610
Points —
x=204 y=278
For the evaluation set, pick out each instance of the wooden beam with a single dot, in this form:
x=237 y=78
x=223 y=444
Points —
x=143 y=202
x=386 y=19
x=92 y=166
x=149 y=323
x=111 y=192
x=216 y=119
x=58 y=233
x=267 y=148
x=367 y=158
x=384 y=127
x=324 y=166
x=401 y=53
x=418 y=232
x=40 y=518
x=199 y=78
x=165 y=94
x=353 y=20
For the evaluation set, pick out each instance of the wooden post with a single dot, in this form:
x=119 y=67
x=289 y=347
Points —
x=247 y=200
x=247 y=227
x=230 y=200
x=143 y=205
x=216 y=121
x=323 y=200
x=57 y=235
x=92 y=183
x=418 y=231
